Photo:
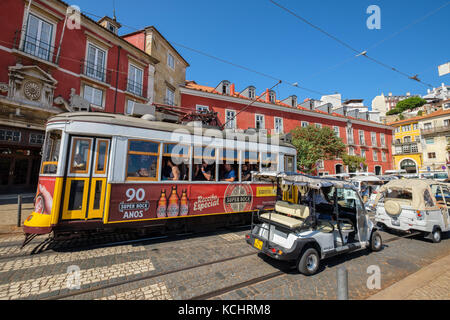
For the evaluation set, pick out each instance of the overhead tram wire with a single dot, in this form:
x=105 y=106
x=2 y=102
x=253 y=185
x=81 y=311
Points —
x=383 y=40
x=358 y=52
x=295 y=84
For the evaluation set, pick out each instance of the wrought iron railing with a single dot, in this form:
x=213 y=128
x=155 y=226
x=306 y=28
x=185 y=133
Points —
x=34 y=46
x=95 y=71
x=135 y=87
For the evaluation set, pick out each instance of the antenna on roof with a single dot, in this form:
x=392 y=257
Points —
x=114 y=10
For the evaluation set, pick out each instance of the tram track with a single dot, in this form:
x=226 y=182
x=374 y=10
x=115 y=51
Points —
x=207 y=295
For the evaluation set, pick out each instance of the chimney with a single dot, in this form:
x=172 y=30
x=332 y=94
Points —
x=232 y=89
x=267 y=96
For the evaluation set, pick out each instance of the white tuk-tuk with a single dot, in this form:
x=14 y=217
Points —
x=323 y=218
x=414 y=204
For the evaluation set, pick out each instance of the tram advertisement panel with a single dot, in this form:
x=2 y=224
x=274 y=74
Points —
x=44 y=195
x=131 y=202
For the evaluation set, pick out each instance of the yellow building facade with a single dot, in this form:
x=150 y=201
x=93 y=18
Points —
x=407 y=150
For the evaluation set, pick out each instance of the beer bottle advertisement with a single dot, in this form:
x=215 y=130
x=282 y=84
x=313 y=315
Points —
x=162 y=205
x=184 y=205
x=173 y=207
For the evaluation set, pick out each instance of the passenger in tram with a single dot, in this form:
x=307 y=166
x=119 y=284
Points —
x=246 y=172
x=79 y=162
x=170 y=171
x=230 y=174
x=203 y=172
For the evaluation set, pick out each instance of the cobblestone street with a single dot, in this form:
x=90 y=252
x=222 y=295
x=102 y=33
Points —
x=191 y=266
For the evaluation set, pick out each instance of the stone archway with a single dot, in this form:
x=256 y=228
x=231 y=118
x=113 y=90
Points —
x=409 y=165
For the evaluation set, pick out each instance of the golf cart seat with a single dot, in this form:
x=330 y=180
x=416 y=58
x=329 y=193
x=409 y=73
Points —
x=287 y=214
x=282 y=220
x=296 y=210
x=344 y=225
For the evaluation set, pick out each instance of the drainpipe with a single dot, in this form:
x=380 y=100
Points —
x=117 y=78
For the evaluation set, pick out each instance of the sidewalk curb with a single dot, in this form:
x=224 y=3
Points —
x=403 y=288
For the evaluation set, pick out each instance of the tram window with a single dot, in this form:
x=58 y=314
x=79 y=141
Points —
x=80 y=155
x=142 y=160
x=249 y=165
x=268 y=161
x=51 y=152
x=204 y=164
x=175 y=162
x=102 y=149
x=76 y=195
x=228 y=165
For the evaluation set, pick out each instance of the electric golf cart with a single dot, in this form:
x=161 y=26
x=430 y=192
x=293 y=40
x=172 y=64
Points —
x=414 y=205
x=313 y=219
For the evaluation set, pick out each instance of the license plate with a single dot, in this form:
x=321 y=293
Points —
x=258 y=244
x=395 y=223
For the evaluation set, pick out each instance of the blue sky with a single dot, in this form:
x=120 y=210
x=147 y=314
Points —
x=261 y=36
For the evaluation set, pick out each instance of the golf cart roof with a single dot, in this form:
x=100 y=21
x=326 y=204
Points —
x=303 y=180
x=365 y=178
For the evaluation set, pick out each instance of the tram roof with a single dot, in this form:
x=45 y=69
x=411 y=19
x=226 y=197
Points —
x=128 y=121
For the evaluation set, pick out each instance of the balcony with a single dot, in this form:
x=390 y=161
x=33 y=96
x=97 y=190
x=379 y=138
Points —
x=135 y=88
x=434 y=131
x=34 y=48
x=406 y=148
x=95 y=72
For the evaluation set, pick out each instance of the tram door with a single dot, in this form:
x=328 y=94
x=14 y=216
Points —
x=85 y=184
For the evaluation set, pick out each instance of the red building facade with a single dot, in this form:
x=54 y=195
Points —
x=365 y=138
x=54 y=59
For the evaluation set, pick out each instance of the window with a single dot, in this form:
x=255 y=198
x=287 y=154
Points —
x=375 y=155
x=406 y=128
x=432 y=155
x=102 y=156
x=50 y=154
x=135 y=78
x=204 y=164
x=175 y=162
x=414 y=148
x=305 y=124
x=250 y=164
x=351 y=151
x=446 y=122
x=373 y=136
x=272 y=96
x=397 y=130
x=361 y=138
x=429 y=140
x=170 y=97
x=93 y=95
x=363 y=153
x=278 y=125
x=38 y=38
x=350 y=135
x=318 y=125
x=80 y=158
x=415 y=126
x=251 y=93
x=336 y=131
x=36 y=138
x=228 y=165
x=10 y=135
x=142 y=160
x=427 y=126
x=294 y=101
x=320 y=164
x=406 y=148
x=230 y=119
x=383 y=156
x=268 y=161
x=201 y=109
x=95 y=63
x=259 y=121
x=398 y=149
x=170 y=60
x=407 y=139
x=383 y=139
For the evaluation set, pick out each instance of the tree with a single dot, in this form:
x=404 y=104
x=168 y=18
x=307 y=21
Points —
x=314 y=144
x=407 y=104
x=354 y=162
